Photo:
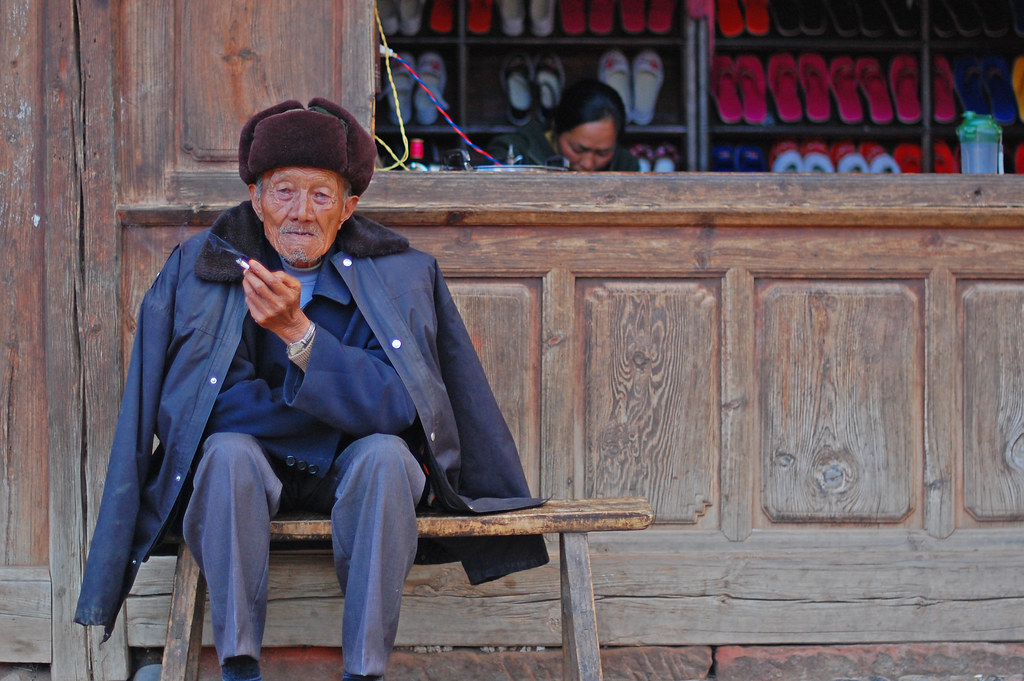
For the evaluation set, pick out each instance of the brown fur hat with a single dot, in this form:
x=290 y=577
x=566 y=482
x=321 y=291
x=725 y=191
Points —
x=324 y=135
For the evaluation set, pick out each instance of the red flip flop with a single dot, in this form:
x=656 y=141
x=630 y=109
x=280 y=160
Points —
x=843 y=79
x=574 y=19
x=758 y=21
x=750 y=76
x=442 y=16
x=904 y=78
x=908 y=157
x=632 y=15
x=782 y=82
x=942 y=90
x=872 y=84
x=730 y=19
x=602 y=15
x=660 y=14
x=944 y=160
x=724 y=89
x=814 y=81
x=479 y=19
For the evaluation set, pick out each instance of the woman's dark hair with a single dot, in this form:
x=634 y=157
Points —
x=587 y=101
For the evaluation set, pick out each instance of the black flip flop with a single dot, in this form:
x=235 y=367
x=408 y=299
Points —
x=942 y=21
x=844 y=17
x=813 y=20
x=995 y=17
x=786 y=17
x=966 y=17
x=906 y=21
x=872 y=17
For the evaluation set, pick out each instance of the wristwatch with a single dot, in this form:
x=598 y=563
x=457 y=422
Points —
x=298 y=351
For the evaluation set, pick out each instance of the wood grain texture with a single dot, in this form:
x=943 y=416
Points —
x=993 y=419
x=503 y=320
x=651 y=367
x=555 y=515
x=840 y=375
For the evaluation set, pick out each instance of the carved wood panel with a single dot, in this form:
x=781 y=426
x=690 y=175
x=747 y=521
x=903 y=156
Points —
x=993 y=375
x=840 y=385
x=503 y=319
x=651 y=392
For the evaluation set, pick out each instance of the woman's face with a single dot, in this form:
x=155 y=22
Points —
x=588 y=146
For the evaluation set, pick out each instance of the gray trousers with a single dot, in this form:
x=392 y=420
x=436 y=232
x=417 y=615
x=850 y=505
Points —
x=371 y=493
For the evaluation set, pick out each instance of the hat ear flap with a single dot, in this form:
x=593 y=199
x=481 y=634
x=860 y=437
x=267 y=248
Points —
x=249 y=132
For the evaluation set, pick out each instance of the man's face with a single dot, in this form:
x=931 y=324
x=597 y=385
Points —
x=302 y=210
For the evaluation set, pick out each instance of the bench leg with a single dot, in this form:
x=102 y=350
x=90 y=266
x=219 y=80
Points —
x=185 y=622
x=581 y=655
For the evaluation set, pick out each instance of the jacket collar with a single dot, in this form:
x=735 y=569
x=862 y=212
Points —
x=359 y=237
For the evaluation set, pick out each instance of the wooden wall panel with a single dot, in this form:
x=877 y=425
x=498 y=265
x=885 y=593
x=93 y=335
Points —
x=840 y=371
x=236 y=57
x=503 y=319
x=651 y=392
x=25 y=230
x=993 y=410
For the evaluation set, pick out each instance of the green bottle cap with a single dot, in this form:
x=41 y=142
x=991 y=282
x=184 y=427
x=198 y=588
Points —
x=979 y=128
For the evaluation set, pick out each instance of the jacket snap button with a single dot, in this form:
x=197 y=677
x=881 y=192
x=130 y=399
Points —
x=314 y=469
x=346 y=262
x=396 y=344
x=301 y=466
x=289 y=460
x=213 y=380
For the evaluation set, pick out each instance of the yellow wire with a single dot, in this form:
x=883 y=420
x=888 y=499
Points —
x=399 y=162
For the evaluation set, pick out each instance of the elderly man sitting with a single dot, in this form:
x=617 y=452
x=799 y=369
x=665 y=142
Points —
x=299 y=356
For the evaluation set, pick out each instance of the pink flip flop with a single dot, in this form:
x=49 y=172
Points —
x=601 y=17
x=814 y=81
x=872 y=84
x=632 y=15
x=843 y=80
x=574 y=18
x=660 y=14
x=724 y=89
x=782 y=82
x=904 y=78
x=942 y=90
x=750 y=76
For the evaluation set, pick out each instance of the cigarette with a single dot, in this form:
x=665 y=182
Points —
x=242 y=263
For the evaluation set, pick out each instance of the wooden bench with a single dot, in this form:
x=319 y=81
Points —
x=570 y=519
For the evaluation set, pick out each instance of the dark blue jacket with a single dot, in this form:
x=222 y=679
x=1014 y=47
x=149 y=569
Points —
x=188 y=332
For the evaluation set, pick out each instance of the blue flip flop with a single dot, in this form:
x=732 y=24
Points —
x=750 y=159
x=723 y=159
x=969 y=86
x=1000 y=90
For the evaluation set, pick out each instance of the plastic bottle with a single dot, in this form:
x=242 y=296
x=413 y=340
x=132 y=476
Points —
x=981 y=144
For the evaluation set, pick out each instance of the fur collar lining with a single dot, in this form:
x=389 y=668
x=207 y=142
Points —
x=359 y=237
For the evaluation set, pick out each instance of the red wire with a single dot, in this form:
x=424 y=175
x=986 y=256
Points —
x=437 y=104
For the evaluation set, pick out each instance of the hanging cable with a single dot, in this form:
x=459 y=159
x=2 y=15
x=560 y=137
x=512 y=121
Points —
x=388 y=54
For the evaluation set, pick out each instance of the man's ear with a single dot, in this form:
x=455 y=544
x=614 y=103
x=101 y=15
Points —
x=350 y=206
x=255 y=202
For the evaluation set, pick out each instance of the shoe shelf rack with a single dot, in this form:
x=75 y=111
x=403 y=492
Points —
x=476 y=96
x=938 y=38
x=687 y=113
